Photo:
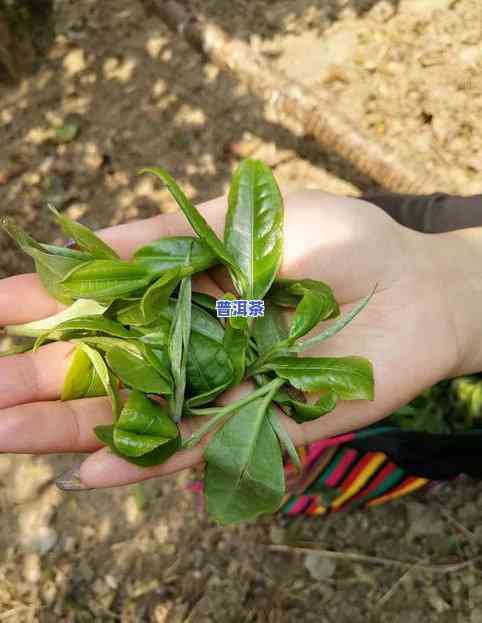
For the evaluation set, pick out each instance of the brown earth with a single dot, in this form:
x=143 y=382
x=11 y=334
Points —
x=117 y=91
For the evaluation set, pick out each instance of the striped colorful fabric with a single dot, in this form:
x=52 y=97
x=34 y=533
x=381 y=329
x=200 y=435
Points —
x=336 y=478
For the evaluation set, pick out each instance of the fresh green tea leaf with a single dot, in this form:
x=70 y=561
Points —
x=102 y=371
x=52 y=249
x=103 y=280
x=269 y=330
x=80 y=326
x=81 y=380
x=160 y=455
x=309 y=312
x=283 y=437
x=103 y=343
x=178 y=345
x=235 y=343
x=170 y=253
x=135 y=372
x=51 y=270
x=244 y=475
x=208 y=396
x=197 y=222
x=336 y=327
x=204 y=300
x=205 y=324
x=81 y=308
x=303 y=411
x=127 y=312
x=156 y=334
x=51 y=267
x=201 y=321
x=157 y=295
x=158 y=358
x=350 y=377
x=208 y=365
x=84 y=237
x=142 y=427
x=253 y=232
x=314 y=302
x=20 y=236
x=289 y=292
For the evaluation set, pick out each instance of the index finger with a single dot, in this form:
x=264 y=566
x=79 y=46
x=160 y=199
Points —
x=24 y=299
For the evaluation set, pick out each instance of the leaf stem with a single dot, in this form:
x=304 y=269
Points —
x=270 y=388
x=336 y=327
x=258 y=364
x=203 y=411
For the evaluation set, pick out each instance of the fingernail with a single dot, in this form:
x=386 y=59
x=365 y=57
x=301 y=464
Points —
x=70 y=480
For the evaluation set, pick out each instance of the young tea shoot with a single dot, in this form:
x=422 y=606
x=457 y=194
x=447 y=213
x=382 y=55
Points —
x=138 y=326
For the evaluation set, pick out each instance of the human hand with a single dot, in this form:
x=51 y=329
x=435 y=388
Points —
x=411 y=332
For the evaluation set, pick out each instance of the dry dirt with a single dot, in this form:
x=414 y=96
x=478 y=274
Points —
x=408 y=72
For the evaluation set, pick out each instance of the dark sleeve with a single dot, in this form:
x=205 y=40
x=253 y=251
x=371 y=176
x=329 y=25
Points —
x=430 y=214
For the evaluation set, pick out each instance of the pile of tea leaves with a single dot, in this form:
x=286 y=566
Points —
x=138 y=325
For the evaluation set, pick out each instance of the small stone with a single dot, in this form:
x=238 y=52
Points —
x=111 y=581
x=319 y=567
x=31 y=568
x=93 y=159
x=74 y=62
x=38 y=135
x=132 y=511
x=161 y=612
x=76 y=210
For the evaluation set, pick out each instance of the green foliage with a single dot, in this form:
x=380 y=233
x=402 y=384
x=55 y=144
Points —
x=244 y=475
x=82 y=379
x=105 y=280
x=85 y=239
x=178 y=345
x=144 y=432
x=447 y=407
x=138 y=324
x=351 y=378
x=135 y=372
x=253 y=234
x=168 y=253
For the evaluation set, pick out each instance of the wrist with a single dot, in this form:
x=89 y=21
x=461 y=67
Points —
x=452 y=267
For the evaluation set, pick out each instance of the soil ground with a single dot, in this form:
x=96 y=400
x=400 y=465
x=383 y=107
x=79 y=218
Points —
x=132 y=94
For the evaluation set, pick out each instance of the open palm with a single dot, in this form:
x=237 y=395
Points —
x=406 y=331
